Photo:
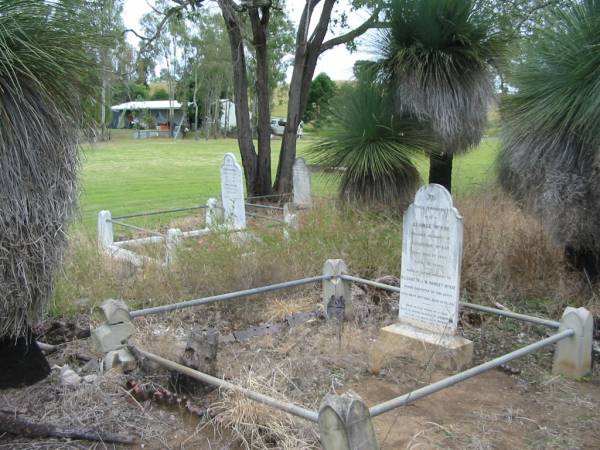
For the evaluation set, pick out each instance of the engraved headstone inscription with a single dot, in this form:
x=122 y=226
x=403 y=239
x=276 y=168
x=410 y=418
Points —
x=431 y=260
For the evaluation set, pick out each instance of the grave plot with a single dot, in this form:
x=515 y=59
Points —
x=425 y=334
x=233 y=214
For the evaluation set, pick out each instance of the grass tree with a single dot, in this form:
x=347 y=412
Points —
x=45 y=66
x=550 y=154
x=436 y=57
x=371 y=148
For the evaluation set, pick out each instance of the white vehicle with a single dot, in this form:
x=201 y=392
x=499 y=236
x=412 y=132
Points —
x=278 y=125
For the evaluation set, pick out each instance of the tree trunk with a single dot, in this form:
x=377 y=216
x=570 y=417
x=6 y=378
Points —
x=103 y=111
x=584 y=260
x=22 y=361
x=305 y=62
x=240 y=94
x=440 y=170
x=263 y=96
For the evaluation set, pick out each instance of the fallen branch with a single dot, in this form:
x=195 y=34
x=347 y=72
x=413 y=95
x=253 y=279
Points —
x=10 y=423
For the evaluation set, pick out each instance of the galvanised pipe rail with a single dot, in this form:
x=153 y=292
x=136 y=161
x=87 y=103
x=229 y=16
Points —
x=228 y=296
x=127 y=225
x=290 y=408
x=267 y=196
x=163 y=211
x=513 y=315
x=259 y=216
x=417 y=394
x=257 y=205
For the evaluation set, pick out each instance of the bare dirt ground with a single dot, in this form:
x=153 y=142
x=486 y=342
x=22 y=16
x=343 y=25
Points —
x=529 y=409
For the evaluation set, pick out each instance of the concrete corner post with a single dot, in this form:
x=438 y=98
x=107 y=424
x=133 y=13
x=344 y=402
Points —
x=173 y=239
x=345 y=423
x=213 y=213
x=111 y=337
x=573 y=355
x=290 y=219
x=105 y=230
x=337 y=293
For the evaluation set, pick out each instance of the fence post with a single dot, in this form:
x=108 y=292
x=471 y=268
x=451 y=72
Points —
x=345 y=423
x=111 y=337
x=173 y=239
x=105 y=230
x=573 y=355
x=290 y=219
x=337 y=293
x=212 y=215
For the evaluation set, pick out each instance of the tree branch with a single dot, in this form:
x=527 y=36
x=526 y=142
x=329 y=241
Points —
x=371 y=22
x=318 y=34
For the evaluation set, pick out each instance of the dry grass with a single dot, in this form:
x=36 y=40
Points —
x=507 y=259
x=257 y=426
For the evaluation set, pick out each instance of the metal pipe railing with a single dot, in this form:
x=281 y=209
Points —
x=256 y=205
x=228 y=296
x=259 y=216
x=299 y=411
x=462 y=376
x=513 y=315
x=127 y=225
x=500 y=312
x=268 y=196
x=162 y=211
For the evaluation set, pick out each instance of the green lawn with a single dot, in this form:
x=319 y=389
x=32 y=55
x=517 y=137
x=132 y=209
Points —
x=126 y=175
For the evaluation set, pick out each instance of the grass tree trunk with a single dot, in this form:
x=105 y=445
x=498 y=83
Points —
x=440 y=169
x=584 y=260
x=22 y=361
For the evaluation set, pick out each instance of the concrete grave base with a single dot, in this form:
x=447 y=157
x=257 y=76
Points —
x=445 y=352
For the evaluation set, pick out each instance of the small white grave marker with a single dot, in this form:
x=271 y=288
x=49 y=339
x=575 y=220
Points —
x=431 y=258
x=302 y=190
x=232 y=193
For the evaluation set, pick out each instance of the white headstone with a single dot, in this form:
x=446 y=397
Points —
x=431 y=260
x=232 y=193
x=302 y=191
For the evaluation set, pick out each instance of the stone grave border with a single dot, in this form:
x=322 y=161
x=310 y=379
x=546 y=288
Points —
x=344 y=420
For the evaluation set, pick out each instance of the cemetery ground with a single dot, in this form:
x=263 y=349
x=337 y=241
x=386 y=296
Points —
x=508 y=262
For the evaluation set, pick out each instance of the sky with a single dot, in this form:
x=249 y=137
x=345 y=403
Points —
x=337 y=62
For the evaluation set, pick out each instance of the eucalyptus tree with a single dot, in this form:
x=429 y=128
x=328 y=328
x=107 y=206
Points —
x=437 y=57
x=550 y=154
x=47 y=67
x=248 y=24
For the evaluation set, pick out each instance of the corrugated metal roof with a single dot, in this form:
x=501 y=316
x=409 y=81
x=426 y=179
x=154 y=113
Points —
x=153 y=104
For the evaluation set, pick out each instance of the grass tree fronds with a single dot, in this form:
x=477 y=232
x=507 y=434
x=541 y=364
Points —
x=550 y=154
x=558 y=82
x=46 y=66
x=437 y=55
x=371 y=148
